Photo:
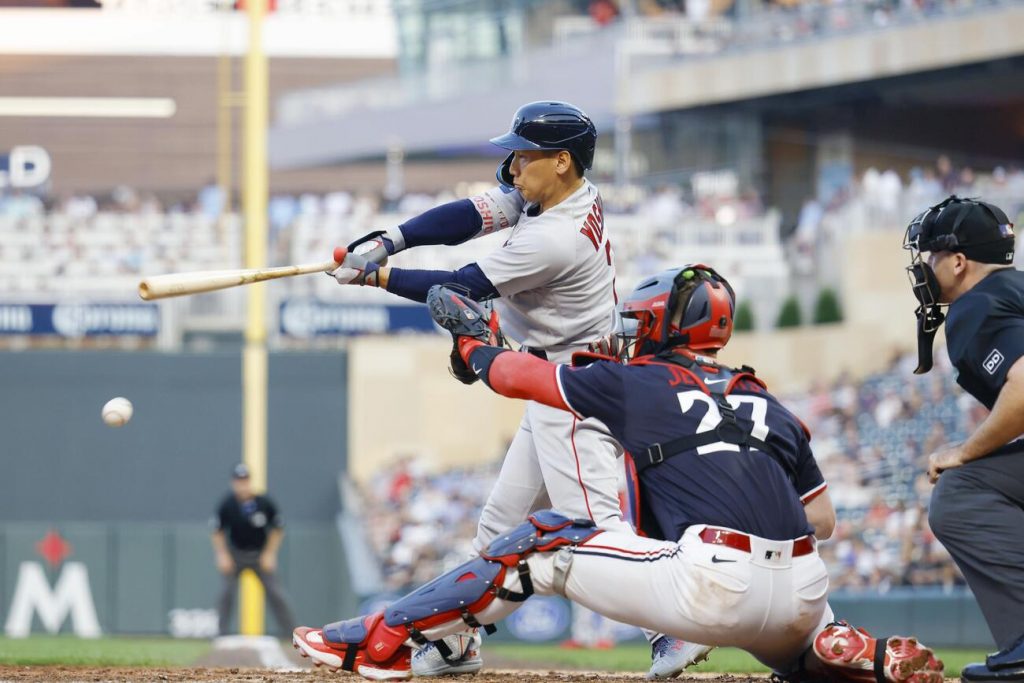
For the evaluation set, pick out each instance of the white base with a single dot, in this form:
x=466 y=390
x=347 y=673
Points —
x=267 y=648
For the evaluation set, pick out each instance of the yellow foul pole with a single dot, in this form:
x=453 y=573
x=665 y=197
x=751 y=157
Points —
x=254 y=358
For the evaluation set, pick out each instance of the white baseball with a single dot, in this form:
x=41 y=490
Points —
x=117 y=411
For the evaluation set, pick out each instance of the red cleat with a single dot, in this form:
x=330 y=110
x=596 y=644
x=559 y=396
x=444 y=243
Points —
x=848 y=655
x=366 y=645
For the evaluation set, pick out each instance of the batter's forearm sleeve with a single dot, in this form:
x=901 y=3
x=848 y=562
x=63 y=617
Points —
x=451 y=223
x=516 y=375
x=414 y=284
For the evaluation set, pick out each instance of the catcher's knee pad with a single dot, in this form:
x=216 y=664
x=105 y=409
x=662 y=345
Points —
x=470 y=587
x=851 y=655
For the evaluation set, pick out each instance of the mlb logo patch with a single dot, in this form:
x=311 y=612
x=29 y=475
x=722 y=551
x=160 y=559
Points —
x=992 y=363
x=1006 y=229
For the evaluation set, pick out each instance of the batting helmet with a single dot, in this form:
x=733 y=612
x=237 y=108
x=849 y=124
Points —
x=552 y=126
x=690 y=306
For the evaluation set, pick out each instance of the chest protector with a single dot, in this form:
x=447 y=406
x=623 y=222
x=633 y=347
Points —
x=732 y=429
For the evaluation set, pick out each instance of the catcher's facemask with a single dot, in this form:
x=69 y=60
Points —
x=706 y=315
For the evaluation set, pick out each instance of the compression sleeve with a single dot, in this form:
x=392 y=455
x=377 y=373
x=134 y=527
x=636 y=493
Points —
x=516 y=375
x=455 y=222
x=414 y=284
x=451 y=223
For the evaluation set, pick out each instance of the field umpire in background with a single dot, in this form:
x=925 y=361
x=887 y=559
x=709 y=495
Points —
x=962 y=257
x=247 y=535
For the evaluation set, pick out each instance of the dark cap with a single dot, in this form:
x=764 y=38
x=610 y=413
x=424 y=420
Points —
x=978 y=230
x=240 y=471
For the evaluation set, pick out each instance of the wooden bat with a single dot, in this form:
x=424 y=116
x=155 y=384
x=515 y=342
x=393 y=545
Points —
x=179 y=284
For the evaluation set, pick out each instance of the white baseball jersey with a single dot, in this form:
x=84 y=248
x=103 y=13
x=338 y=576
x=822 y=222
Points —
x=555 y=272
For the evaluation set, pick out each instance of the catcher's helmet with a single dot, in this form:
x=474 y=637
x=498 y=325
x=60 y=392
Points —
x=690 y=306
x=552 y=126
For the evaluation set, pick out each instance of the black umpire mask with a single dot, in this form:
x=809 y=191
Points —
x=979 y=231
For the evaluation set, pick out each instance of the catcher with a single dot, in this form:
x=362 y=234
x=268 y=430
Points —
x=722 y=466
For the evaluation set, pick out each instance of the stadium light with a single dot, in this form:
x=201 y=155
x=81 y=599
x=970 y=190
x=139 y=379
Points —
x=96 y=107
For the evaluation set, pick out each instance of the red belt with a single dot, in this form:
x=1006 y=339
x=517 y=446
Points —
x=740 y=541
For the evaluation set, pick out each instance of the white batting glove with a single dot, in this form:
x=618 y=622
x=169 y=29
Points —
x=354 y=269
x=378 y=245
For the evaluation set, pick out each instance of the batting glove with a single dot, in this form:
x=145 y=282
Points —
x=354 y=269
x=378 y=245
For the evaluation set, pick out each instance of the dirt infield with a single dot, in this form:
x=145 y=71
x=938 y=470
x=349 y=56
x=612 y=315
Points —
x=69 y=674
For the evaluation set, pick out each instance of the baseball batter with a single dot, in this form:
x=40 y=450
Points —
x=553 y=284
x=723 y=467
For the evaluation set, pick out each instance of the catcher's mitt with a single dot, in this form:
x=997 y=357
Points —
x=463 y=317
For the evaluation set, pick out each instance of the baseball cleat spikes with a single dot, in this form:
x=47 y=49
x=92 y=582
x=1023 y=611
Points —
x=848 y=654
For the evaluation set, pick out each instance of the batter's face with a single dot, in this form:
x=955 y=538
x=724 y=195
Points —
x=537 y=173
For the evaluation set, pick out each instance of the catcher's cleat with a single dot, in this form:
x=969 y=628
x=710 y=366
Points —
x=464 y=658
x=671 y=656
x=851 y=655
x=365 y=645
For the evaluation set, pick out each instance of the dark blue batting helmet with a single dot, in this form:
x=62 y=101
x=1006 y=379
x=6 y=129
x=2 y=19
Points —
x=551 y=126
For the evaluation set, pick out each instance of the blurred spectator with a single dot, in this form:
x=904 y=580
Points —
x=805 y=237
x=946 y=173
x=211 y=200
x=18 y=204
x=603 y=11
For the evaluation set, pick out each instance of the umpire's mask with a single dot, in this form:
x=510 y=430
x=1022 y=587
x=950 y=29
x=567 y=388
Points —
x=979 y=231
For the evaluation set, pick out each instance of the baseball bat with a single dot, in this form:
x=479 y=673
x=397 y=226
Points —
x=179 y=284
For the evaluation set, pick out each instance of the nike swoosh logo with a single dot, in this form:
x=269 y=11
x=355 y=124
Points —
x=715 y=381
x=476 y=369
x=717 y=560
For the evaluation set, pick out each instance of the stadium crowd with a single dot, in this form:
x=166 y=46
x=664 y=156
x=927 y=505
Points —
x=86 y=243
x=871 y=438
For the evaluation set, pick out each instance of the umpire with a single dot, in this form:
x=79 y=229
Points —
x=977 y=506
x=248 y=533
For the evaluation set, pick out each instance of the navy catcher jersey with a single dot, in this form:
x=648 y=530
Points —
x=719 y=484
x=985 y=333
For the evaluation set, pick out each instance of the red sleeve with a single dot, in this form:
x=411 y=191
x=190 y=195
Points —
x=516 y=375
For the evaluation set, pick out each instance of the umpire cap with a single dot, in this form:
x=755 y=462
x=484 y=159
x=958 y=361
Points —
x=552 y=126
x=978 y=230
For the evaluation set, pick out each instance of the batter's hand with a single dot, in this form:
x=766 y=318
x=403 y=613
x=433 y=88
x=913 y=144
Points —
x=945 y=458
x=268 y=562
x=354 y=269
x=375 y=246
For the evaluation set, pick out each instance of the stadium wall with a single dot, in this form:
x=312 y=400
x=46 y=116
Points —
x=172 y=462
x=129 y=507
x=149 y=578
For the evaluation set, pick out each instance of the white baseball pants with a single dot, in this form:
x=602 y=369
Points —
x=555 y=461
x=765 y=601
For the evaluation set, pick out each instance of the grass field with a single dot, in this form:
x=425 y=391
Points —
x=142 y=652
x=72 y=651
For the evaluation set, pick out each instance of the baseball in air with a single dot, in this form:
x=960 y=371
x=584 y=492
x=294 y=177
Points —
x=117 y=411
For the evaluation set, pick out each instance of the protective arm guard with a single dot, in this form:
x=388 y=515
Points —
x=459 y=594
